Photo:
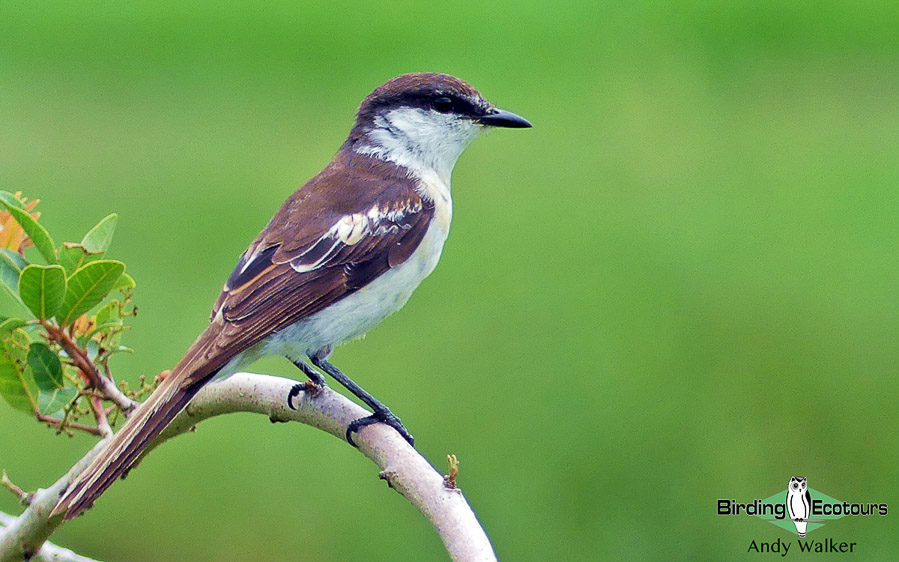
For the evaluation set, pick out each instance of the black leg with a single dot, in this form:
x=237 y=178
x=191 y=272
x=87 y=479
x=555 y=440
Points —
x=381 y=414
x=315 y=379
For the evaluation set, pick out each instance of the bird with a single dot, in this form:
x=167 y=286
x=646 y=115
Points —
x=799 y=503
x=346 y=250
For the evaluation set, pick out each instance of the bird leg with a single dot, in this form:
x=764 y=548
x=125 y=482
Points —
x=380 y=414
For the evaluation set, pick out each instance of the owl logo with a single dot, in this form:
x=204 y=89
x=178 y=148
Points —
x=799 y=503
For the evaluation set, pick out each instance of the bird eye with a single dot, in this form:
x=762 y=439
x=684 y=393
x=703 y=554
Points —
x=443 y=104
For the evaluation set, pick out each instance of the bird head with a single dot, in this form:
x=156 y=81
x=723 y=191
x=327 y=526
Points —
x=425 y=121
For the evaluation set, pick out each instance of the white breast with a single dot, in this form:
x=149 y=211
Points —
x=353 y=316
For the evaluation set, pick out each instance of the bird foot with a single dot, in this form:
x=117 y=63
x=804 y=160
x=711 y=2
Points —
x=295 y=390
x=379 y=416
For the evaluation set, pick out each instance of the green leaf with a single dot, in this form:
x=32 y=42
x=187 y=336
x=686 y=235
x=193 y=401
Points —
x=10 y=324
x=35 y=231
x=16 y=384
x=98 y=238
x=43 y=288
x=15 y=257
x=46 y=366
x=11 y=265
x=92 y=247
x=73 y=256
x=52 y=402
x=87 y=287
x=125 y=282
x=109 y=313
x=9 y=199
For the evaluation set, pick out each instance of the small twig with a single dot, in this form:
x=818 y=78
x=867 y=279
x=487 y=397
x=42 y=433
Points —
x=58 y=424
x=76 y=354
x=100 y=414
x=80 y=359
x=65 y=419
x=24 y=497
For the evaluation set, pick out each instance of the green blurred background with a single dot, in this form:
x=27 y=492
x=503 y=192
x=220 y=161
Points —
x=681 y=285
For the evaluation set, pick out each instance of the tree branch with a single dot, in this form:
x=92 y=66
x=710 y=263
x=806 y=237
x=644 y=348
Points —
x=49 y=552
x=404 y=469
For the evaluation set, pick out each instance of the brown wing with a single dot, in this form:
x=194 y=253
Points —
x=343 y=229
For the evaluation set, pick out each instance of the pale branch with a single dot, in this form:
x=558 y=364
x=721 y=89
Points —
x=111 y=392
x=25 y=536
x=49 y=552
x=404 y=469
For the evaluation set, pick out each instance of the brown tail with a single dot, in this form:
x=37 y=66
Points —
x=142 y=427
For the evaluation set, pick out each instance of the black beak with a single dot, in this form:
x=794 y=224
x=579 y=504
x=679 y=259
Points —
x=499 y=118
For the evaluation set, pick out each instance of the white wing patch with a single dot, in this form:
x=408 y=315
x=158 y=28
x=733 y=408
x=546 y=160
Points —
x=351 y=229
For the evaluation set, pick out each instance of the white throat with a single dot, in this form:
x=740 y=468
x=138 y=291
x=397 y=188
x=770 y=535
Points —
x=426 y=142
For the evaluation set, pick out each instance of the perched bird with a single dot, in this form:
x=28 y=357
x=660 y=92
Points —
x=344 y=251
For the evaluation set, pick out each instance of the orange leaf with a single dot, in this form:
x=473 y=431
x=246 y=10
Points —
x=12 y=237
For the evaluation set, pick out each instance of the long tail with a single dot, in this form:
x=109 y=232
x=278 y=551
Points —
x=142 y=427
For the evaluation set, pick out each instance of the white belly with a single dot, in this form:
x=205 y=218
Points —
x=359 y=312
x=798 y=505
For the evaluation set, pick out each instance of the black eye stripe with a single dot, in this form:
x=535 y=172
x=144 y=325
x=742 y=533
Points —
x=440 y=101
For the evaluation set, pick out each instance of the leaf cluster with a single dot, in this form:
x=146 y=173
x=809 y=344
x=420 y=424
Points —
x=74 y=307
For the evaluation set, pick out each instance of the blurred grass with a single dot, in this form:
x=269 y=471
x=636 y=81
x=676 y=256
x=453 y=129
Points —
x=680 y=285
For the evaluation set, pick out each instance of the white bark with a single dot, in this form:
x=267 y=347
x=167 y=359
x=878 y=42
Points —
x=404 y=469
x=49 y=552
